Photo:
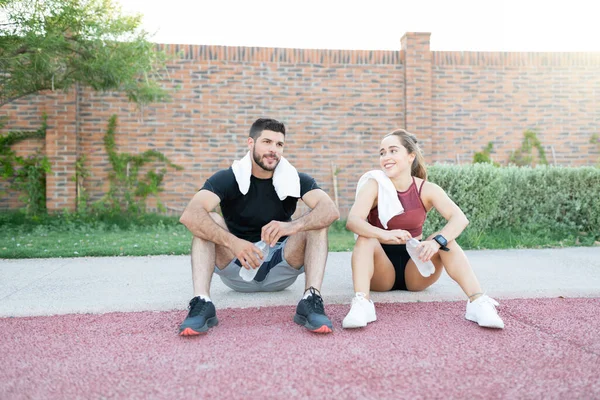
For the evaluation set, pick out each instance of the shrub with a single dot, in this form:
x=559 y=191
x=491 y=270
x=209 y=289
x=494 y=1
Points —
x=522 y=198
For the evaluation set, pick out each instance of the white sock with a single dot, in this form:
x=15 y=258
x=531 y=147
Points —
x=205 y=298
x=308 y=292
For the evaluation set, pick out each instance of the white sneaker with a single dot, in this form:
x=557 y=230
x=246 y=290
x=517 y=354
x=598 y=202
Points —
x=483 y=311
x=361 y=312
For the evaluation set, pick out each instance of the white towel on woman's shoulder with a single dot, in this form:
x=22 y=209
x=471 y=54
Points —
x=388 y=203
x=286 y=180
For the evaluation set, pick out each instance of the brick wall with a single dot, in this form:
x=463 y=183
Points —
x=336 y=105
x=483 y=97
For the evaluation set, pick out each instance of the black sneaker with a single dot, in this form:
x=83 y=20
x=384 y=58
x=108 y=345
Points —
x=201 y=317
x=310 y=313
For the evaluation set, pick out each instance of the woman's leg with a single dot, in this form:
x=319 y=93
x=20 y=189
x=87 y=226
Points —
x=415 y=282
x=459 y=269
x=457 y=265
x=480 y=309
x=371 y=268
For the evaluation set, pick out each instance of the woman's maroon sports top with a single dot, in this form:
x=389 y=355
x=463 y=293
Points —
x=413 y=217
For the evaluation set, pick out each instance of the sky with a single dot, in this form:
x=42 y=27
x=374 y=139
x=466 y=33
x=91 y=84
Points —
x=509 y=25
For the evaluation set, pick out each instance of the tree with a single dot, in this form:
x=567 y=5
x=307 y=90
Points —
x=53 y=44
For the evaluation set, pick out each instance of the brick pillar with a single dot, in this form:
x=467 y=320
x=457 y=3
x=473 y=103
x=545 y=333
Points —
x=418 y=90
x=61 y=150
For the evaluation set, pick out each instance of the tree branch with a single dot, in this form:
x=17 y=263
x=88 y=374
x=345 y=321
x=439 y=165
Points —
x=20 y=95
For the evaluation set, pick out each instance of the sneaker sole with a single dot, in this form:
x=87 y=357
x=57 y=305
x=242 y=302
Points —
x=300 y=320
x=203 y=329
x=354 y=324
x=472 y=319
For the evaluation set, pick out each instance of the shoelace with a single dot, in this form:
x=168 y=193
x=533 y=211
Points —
x=196 y=306
x=488 y=300
x=359 y=297
x=315 y=301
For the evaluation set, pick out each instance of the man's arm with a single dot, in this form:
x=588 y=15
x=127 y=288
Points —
x=195 y=217
x=322 y=214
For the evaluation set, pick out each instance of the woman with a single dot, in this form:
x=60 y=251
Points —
x=380 y=261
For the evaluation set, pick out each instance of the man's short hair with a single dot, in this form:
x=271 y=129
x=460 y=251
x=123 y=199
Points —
x=265 y=124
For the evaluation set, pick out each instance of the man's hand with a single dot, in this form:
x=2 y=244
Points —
x=427 y=249
x=249 y=255
x=272 y=231
x=395 y=236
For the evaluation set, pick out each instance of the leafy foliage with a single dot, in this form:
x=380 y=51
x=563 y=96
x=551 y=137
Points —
x=521 y=198
x=595 y=139
x=30 y=180
x=524 y=156
x=81 y=172
x=52 y=44
x=127 y=190
x=25 y=174
x=484 y=156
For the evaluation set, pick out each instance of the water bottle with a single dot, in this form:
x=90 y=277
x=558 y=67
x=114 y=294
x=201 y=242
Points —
x=425 y=268
x=249 y=274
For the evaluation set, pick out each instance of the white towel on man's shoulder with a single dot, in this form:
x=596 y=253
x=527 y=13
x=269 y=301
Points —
x=286 y=180
x=388 y=203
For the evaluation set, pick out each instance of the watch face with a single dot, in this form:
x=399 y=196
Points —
x=441 y=240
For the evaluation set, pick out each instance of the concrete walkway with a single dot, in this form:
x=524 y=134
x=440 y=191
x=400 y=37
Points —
x=35 y=287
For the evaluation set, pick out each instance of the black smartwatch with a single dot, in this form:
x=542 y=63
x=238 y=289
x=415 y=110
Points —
x=442 y=242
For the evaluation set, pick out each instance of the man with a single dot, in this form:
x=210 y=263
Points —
x=258 y=196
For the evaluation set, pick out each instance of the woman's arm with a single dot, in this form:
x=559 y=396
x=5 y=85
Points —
x=435 y=196
x=357 y=218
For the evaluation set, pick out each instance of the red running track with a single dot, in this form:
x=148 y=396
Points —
x=550 y=349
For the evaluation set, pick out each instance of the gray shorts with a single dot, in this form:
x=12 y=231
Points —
x=273 y=275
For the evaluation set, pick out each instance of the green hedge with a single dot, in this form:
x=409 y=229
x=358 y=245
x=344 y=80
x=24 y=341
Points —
x=521 y=198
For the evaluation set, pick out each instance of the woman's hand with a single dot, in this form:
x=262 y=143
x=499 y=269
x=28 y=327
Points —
x=427 y=249
x=395 y=236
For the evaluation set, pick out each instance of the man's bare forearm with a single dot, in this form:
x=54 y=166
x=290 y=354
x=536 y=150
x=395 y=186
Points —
x=323 y=215
x=201 y=225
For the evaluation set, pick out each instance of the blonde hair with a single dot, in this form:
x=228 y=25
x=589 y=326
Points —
x=409 y=141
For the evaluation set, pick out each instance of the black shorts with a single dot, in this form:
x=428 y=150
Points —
x=399 y=257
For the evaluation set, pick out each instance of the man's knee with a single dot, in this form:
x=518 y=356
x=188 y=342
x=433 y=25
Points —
x=199 y=243
x=222 y=256
x=318 y=233
x=300 y=238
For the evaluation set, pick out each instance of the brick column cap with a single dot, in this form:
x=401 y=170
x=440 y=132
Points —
x=410 y=35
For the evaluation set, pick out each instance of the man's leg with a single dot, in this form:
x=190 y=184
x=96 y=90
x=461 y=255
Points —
x=205 y=255
x=310 y=249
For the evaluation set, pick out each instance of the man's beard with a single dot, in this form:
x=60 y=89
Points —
x=259 y=161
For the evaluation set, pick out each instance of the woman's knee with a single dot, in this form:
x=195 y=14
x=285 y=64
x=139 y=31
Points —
x=365 y=242
x=454 y=245
x=437 y=262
